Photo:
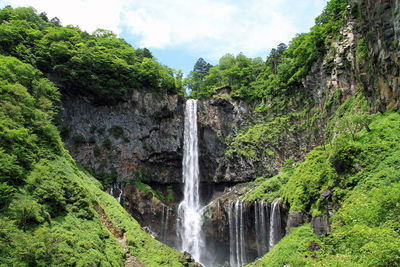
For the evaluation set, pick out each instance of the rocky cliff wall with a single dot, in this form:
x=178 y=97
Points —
x=139 y=139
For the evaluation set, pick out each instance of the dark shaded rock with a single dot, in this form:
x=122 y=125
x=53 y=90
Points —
x=295 y=219
x=326 y=193
x=320 y=225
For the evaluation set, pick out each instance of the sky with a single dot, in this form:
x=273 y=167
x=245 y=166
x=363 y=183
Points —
x=178 y=32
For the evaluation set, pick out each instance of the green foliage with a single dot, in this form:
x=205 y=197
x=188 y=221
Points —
x=283 y=70
x=107 y=143
x=170 y=194
x=25 y=131
x=116 y=130
x=78 y=139
x=6 y=194
x=46 y=202
x=92 y=140
x=145 y=188
x=291 y=250
x=362 y=52
x=99 y=65
x=96 y=151
x=309 y=180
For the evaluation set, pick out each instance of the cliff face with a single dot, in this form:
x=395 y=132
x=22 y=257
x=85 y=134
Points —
x=218 y=119
x=139 y=139
x=364 y=58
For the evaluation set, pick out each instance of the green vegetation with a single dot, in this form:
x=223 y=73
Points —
x=361 y=170
x=292 y=249
x=116 y=130
x=281 y=73
x=49 y=213
x=99 y=65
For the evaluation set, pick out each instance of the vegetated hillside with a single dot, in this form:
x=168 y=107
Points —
x=99 y=65
x=51 y=212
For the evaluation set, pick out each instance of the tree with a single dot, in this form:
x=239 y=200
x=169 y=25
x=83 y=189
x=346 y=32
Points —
x=202 y=67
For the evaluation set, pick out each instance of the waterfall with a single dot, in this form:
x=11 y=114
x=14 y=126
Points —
x=121 y=189
x=232 y=256
x=267 y=230
x=275 y=223
x=189 y=210
x=164 y=222
x=237 y=240
x=261 y=217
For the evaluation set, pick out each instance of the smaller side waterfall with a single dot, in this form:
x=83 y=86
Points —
x=121 y=189
x=275 y=223
x=164 y=221
x=238 y=256
x=267 y=230
x=261 y=227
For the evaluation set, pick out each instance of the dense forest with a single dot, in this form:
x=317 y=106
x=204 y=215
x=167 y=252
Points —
x=53 y=212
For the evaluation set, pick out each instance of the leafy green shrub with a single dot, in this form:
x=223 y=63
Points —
x=93 y=129
x=92 y=140
x=292 y=250
x=101 y=130
x=78 y=139
x=6 y=194
x=107 y=143
x=96 y=151
x=116 y=130
x=309 y=180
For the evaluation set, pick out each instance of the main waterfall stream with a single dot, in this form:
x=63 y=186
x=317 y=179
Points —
x=189 y=211
x=251 y=234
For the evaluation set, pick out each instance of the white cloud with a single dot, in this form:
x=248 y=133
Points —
x=209 y=27
x=217 y=27
x=89 y=15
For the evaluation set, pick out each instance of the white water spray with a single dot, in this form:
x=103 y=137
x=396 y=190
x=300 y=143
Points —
x=190 y=211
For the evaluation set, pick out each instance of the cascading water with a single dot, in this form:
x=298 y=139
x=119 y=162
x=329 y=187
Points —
x=164 y=222
x=261 y=227
x=238 y=256
x=190 y=211
x=267 y=222
x=275 y=223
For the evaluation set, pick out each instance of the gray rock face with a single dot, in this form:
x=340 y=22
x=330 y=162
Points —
x=219 y=118
x=295 y=219
x=321 y=225
x=141 y=138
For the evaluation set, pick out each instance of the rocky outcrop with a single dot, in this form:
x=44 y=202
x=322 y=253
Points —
x=295 y=219
x=365 y=57
x=219 y=118
x=140 y=139
x=321 y=225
